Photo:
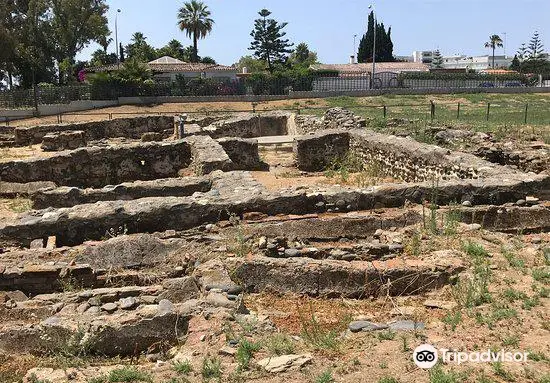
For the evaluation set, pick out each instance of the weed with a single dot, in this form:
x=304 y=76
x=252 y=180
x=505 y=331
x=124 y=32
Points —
x=34 y=379
x=405 y=344
x=128 y=374
x=546 y=255
x=319 y=337
x=279 y=344
x=530 y=302
x=386 y=335
x=475 y=250
x=452 y=218
x=512 y=341
x=343 y=166
x=437 y=375
x=413 y=246
x=512 y=295
x=453 y=319
x=383 y=365
x=388 y=379
x=431 y=223
x=541 y=275
x=512 y=259
x=245 y=352
x=325 y=377
x=241 y=247
x=501 y=372
x=537 y=356
x=20 y=205
x=211 y=368
x=183 y=368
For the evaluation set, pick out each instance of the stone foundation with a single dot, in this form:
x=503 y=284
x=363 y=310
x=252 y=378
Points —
x=95 y=130
x=58 y=141
x=317 y=152
x=243 y=153
x=251 y=125
x=97 y=167
x=71 y=196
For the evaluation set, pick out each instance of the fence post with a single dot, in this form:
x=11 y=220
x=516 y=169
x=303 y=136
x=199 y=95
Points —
x=385 y=111
x=458 y=112
x=488 y=110
x=526 y=108
x=432 y=110
x=110 y=116
x=253 y=107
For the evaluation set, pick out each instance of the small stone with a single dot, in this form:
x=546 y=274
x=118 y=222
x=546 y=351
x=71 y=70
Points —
x=320 y=205
x=94 y=310
x=284 y=362
x=57 y=307
x=406 y=325
x=202 y=338
x=94 y=301
x=210 y=227
x=81 y=309
x=51 y=243
x=291 y=253
x=148 y=299
x=262 y=243
x=467 y=204
x=435 y=304
x=532 y=200
x=128 y=303
x=358 y=326
x=109 y=307
x=165 y=307
x=10 y=304
x=85 y=294
x=536 y=240
x=37 y=244
x=232 y=297
x=378 y=233
x=228 y=351
x=341 y=204
x=521 y=202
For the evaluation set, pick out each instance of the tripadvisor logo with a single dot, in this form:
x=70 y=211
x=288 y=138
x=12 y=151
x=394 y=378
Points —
x=426 y=356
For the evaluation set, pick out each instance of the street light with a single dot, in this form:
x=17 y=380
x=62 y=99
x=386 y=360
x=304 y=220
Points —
x=116 y=36
x=373 y=45
x=504 y=33
x=354 y=45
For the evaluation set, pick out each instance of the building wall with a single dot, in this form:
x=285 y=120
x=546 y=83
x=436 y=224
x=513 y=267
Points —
x=171 y=77
x=475 y=62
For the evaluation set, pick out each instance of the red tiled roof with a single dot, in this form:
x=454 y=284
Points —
x=380 y=67
x=173 y=68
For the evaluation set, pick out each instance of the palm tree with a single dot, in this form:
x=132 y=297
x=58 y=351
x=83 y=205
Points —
x=194 y=19
x=494 y=42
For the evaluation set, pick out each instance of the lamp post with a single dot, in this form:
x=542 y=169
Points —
x=504 y=33
x=373 y=45
x=354 y=45
x=116 y=36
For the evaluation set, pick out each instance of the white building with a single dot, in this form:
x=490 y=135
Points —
x=425 y=57
x=477 y=63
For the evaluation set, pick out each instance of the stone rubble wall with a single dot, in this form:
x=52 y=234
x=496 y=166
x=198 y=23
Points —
x=207 y=155
x=251 y=125
x=237 y=193
x=132 y=127
x=66 y=196
x=243 y=153
x=58 y=141
x=316 y=152
x=411 y=161
x=39 y=279
x=14 y=189
x=340 y=118
x=306 y=124
x=97 y=167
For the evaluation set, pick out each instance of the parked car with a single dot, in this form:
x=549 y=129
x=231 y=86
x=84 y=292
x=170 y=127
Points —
x=513 y=84
x=486 y=85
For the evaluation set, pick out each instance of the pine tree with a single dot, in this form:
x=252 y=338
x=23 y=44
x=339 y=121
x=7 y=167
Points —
x=437 y=61
x=269 y=43
x=384 y=44
x=516 y=64
x=536 y=48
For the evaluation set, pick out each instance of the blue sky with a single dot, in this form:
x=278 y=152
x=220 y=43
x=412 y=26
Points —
x=328 y=27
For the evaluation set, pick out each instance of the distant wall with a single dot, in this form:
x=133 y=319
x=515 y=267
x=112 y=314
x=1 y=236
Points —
x=50 y=110
x=97 y=167
x=95 y=130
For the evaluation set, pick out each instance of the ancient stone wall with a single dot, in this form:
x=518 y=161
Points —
x=97 y=167
x=250 y=125
x=96 y=130
x=66 y=196
x=316 y=152
x=243 y=153
x=53 y=142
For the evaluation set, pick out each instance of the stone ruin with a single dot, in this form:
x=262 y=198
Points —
x=128 y=224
